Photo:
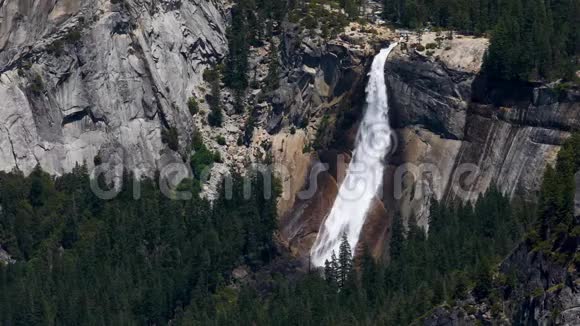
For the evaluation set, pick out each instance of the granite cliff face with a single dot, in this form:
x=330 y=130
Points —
x=101 y=80
x=531 y=288
x=549 y=292
x=84 y=79
x=325 y=80
x=458 y=134
x=451 y=120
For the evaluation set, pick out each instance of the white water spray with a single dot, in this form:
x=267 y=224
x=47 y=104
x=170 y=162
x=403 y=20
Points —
x=364 y=176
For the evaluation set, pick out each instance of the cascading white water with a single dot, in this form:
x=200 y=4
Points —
x=365 y=173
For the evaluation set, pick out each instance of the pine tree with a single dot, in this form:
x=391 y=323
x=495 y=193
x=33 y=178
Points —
x=483 y=282
x=503 y=58
x=215 y=117
x=239 y=101
x=416 y=233
x=331 y=271
x=350 y=7
x=272 y=80
x=460 y=291
x=235 y=74
x=345 y=261
x=397 y=238
x=335 y=268
x=371 y=276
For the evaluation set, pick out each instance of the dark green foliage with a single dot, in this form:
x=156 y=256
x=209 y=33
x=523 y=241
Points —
x=520 y=48
x=554 y=232
x=249 y=130
x=239 y=101
x=331 y=270
x=461 y=289
x=475 y=16
x=272 y=79
x=201 y=161
x=454 y=262
x=371 y=277
x=426 y=272
x=56 y=48
x=431 y=46
x=252 y=22
x=397 y=237
x=217 y=157
x=530 y=39
x=216 y=116
x=313 y=15
x=345 y=262
x=197 y=140
x=211 y=75
x=323 y=134
x=84 y=261
x=235 y=74
x=36 y=84
x=339 y=272
x=73 y=36
x=309 y=22
x=170 y=137
x=420 y=47
x=483 y=282
x=351 y=7
x=202 y=158
x=192 y=106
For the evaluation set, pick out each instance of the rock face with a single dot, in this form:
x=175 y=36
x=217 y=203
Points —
x=459 y=134
x=549 y=293
x=545 y=293
x=319 y=74
x=324 y=80
x=102 y=80
x=5 y=257
x=81 y=79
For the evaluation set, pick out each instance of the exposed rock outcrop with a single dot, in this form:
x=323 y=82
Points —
x=451 y=121
x=5 y=257
x=541 y=292
x=100 y=81
x=458 y=134
x=84 y=79
x=319 y=73
x=549 y=291
x=324 y=81
x=316 y=79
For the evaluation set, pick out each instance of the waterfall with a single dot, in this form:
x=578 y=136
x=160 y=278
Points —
x=364 y=176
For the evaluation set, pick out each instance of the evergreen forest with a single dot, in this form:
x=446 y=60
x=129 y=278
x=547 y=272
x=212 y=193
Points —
x=80 y=260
